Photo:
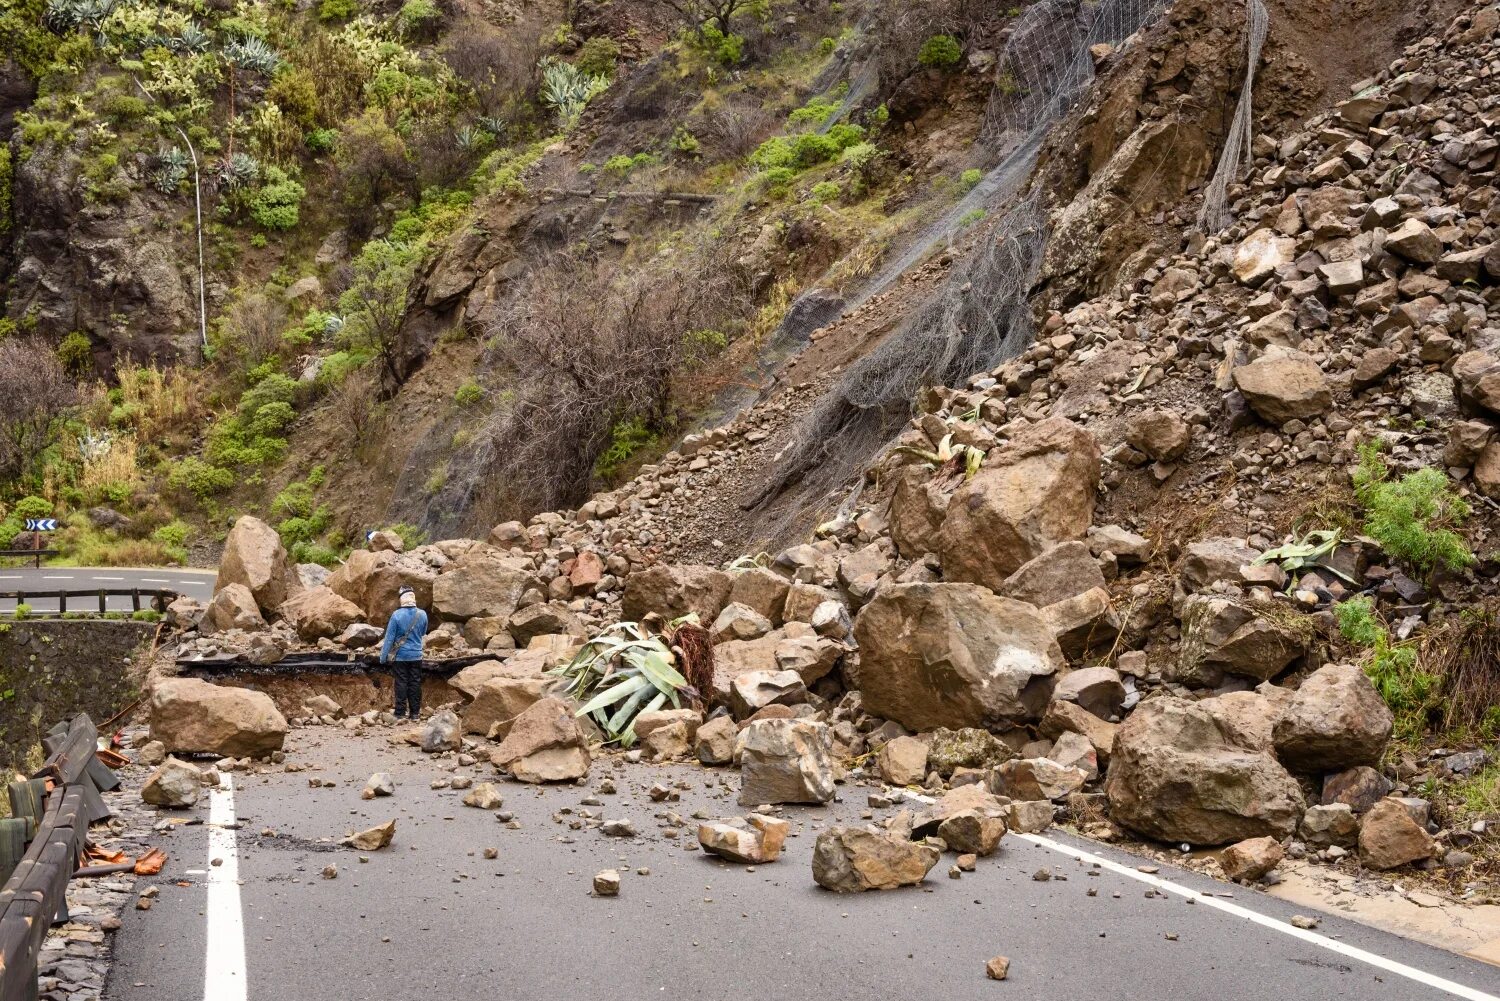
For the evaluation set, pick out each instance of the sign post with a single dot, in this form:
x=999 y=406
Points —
x=36 y=526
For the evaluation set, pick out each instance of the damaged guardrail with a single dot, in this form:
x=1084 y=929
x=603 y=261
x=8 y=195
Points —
x=57 y=821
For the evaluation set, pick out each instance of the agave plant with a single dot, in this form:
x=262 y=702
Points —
x=192 y=39
x=471 y=138
x=171 y=170
x=567 y=90
x=1305 y=553
x=626 y=671
x=237 y=172
x=253 y=53
x=62 y=16
x=949 y=458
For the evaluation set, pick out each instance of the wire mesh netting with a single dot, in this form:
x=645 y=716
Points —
x=1214 y=215
x=982 y=315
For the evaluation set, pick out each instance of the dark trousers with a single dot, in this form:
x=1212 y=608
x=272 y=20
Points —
x=408 y=687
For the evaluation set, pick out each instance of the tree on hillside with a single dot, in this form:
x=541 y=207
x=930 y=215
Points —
x=714 y=13
x=375 y=303
x=36 y=394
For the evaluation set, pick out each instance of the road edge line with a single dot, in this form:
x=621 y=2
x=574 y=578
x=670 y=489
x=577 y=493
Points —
x=224 y=976
x=1265 y=921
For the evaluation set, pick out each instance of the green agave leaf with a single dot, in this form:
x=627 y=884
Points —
x=610 y=696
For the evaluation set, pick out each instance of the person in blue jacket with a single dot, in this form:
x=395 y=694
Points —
x=402 y=649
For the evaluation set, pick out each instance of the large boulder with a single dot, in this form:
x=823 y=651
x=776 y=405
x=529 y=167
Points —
x=674 y=591
x=1390 y=836
x=753 y=691
x=757 y=843
x=232 y=607
x=192 y=715
x=1284 y=385
x=499 y=702
x=319 y=611
x=174 y=785
x=254 y=556
x=373 y=581
x=953 y=655
x=1476 y=377
x=1063 y=571
x=545 y=744
x=918 y=507
x=855 y=859
x=1336 y=720
x=483 y=582
x=1223 y=635
x=1177 y=774
x=1036 y=492
x=785 y=761
x=967 y=747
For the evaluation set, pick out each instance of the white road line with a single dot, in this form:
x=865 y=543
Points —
x=13 y=577
x=155 y=580
x=1275 y=924
x=63 y=576
x=224 y=966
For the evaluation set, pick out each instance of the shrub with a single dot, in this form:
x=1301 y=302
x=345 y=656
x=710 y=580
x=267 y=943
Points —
x=23 y=611
x=321 y=141
x=625 y=440
x=417 y=17
x=1409 y=691
x=468 y=394
x=724 y=48
x=597 y=56
x=276 y=204
x=1357 y=621
x=826 y=191
x=295 y=92
x=826 y=46
x=940 y=52
x=76 y=353
x=123 y=108
x=1412 y=518
x=192 y=475
x=146 y=615
x=337 y=10
x=970 y=179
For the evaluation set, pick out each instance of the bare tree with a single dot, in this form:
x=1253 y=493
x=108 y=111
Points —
x=354 y=407
x=735 y=128
x=499 y=67
x=591 y=348
x=256 y=323
x=35 y=396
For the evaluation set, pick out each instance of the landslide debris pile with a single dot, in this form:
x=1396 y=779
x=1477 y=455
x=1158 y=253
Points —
x=1072 y=588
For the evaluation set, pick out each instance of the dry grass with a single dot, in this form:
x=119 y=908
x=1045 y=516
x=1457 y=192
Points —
x=115 y=467
x=158 y=402
x=1464 y=655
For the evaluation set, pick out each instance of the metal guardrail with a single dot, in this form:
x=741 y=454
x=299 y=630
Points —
x=29 y=554
x=34 y=896
x=160 y=598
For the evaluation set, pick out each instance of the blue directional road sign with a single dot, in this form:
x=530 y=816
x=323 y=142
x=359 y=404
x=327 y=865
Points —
x=41 y=524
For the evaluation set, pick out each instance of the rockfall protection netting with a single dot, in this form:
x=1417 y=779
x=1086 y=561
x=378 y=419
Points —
x=982 y=315
x=1214 y=215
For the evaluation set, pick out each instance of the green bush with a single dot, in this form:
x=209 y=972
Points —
x=313 y=552
x=276 y=203
x=1357 y=621
x=337 y=10
x=296 y=500
x=969 y=179
x=193 y=476
x=146 y=615
x=626 y=439
x=826 y=191
x=940 y=52
x=726 y=49
x=1409 y=691
x=826 y=46
x=417 y=16
x=32 y=507
x=76 y=353
x=597 y=56
x=468 y=394
x=1412 y=518
x=814 y=112
x=122 y=109
x=411 y=535
x=23 y=611
x=321 y=141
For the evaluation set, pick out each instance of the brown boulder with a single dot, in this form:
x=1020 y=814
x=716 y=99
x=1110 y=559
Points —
x=319 y=611
x=545 y=744
x=953 y=655
x=674 y=591
x=785 y=761
x=1284 y=385
x=373 y=582
x=1251 y=859
x=1389 y=836
x=483 y=582
x=499 y=702
x=192 y=715
x=1223 y=635
x=1178 y=775
x=232 y=607
x=1335 y=720
x=855 y=859
x=254 y=556
x=918 y=507
x=1036 y=492
x=1063 y=571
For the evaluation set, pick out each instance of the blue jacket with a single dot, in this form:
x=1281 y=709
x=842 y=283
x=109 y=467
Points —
x=410 y=623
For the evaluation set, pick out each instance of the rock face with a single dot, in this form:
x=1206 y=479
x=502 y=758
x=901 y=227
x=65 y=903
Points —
x=1037 y=492
x=545 y=744
x=318 y=611
x=1389 y=836
x=232 y=607
x=1178 y=774
x=175 y=785
x=254 y=556
x=482 y=582
x=1283 y=386
x=192 y=715
x=675 y=591
x=785 y=761
x=953 y=655
x=855 y=859
x=1336 y=720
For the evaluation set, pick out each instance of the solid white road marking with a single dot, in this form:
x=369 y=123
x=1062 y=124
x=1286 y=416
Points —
x=1275 y=924
x=224 y=967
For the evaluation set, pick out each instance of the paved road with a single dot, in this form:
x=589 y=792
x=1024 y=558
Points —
x=430 y=918
x=193 y=583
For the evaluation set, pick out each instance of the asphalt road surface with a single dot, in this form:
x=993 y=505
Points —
x=429 y=917
x=193 y=583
